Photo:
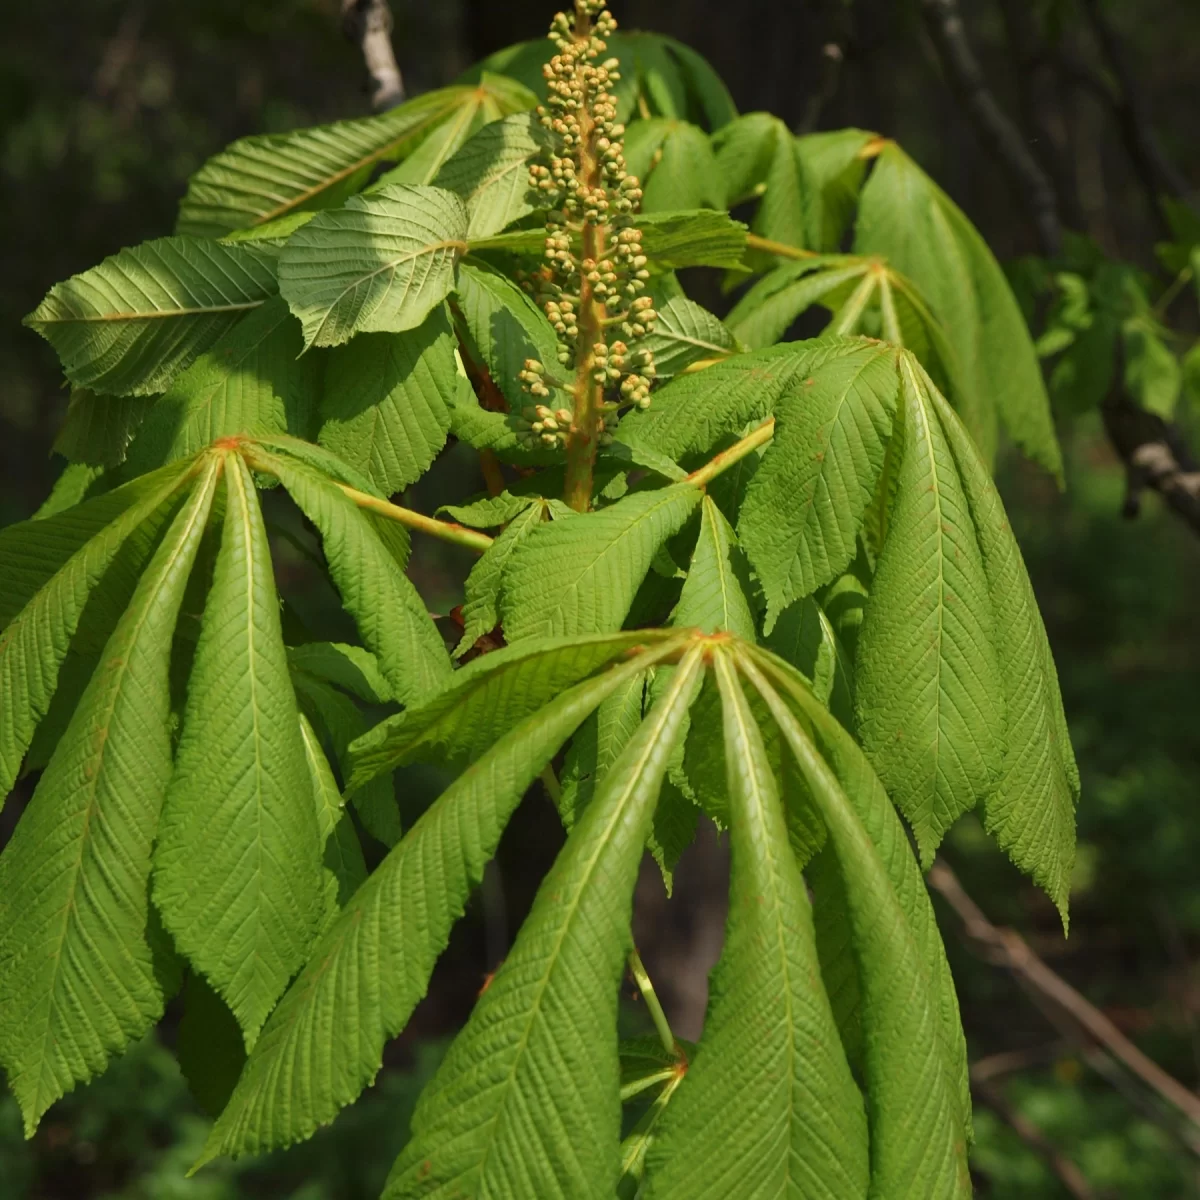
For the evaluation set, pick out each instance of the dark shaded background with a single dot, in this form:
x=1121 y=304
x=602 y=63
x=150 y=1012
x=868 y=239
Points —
x=106 y=108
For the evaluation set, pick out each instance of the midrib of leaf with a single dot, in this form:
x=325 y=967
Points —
x=737 y=710
x=919 y=412
x=152 y=314
x=47 y=1089
x=682 y=680
x=423 y=252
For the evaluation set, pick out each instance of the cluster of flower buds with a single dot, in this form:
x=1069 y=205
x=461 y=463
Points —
x=593 y=200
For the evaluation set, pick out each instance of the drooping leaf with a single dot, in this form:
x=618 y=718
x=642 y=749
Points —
x=1031 y=813
x=765 y=313
x=341 y=721
x=580 y=576
x=324 y=1042
x=51 y=567
x=505 y=326
x=342 y=866
x=350 y=667
x=685 y=333
x=523 y=1104
x=832 y=166
x=798 y=1128
x=378 y=265
x=251 y=381
x=491 y=173
x=489 y=512
x=674 y=163
x=74 y=484
x=905 y=216
x=804 y=507
x=484 y=105
x=260 y=180
x=488 y=696
x=928 y=686
x=237 y=865
x=481 y=607
x=804 y=636
x=98 y=429
x=391 y=616
x=130 y=325
x=915 y=1082
x=714 y=594
x=385 y=407
x=79 y=980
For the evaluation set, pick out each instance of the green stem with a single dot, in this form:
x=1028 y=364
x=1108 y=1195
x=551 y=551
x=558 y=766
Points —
x=754 y=242
x=723 y=461
x=447 y=531
x=646 y=987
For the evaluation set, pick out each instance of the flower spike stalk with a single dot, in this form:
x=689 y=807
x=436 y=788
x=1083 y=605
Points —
x=594 y=271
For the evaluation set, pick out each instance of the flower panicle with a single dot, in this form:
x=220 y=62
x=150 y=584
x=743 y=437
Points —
x=593 y=201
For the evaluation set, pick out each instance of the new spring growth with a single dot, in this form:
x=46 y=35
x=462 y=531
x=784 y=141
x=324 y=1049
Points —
x=593 y=257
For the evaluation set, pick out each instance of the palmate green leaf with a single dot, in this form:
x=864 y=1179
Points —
x=384 y=408
x=238 y=863
x=252 y=380
x=906 y=217
x=258 y=180
x=390 y=614
x=79 y=977
x=525 y=1102
x=342 y=865
x=714 y=594
x=481 y=606
x=928 y=685
x=697 y=238
x=835 y=937
x=832 y=166
x=673 y=79
x=130 y=325
x=694 y=412
x=915 y=1087
x=488 y=512
x=492 y=100
x=505 y=326
x=97 y=430
x=488 y=696
x=798 y=1128
x=1031 y=813
x=803 y=509
x=324 y=1042
x=685 y=333
x=674 y=163
x=51 y=568
x=765 y=313
x=580 y=576
x=378 y=265
x=491 y=173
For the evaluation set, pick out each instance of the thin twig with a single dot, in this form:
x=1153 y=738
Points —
x=723 y=461
x=446 y=531
x=1009 y=949
x=368 y=23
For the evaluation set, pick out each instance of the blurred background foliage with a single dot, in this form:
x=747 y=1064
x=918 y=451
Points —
x=106 y=107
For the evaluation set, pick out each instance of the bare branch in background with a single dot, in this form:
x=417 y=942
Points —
x=1089 y=1025
x=1132 y=113
x=369 y=24
x=1153 y=452
x=945 y=25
